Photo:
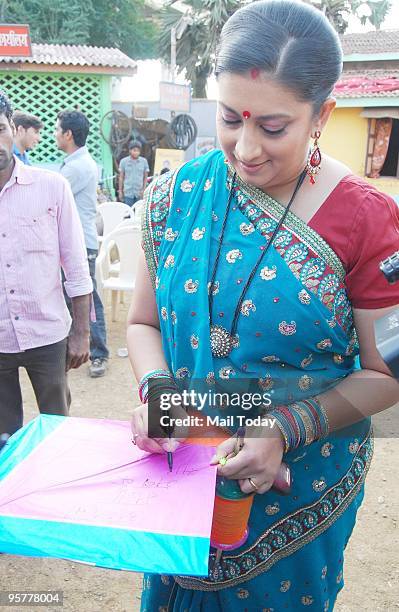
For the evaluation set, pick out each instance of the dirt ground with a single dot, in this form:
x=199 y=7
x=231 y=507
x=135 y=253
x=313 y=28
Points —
x=372 y=559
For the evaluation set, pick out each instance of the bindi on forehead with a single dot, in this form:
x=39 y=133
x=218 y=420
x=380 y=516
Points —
x=246 y=114
x=254 y=72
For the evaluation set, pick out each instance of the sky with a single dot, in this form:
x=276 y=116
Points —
x=144 y=87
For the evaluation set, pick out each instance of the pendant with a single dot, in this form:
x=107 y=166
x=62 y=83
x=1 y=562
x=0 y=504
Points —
x=221 y=341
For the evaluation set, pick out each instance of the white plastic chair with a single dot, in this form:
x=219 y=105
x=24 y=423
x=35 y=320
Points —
x=137 y=210
x=112 y=214
x=127 y=240
x=114 y=266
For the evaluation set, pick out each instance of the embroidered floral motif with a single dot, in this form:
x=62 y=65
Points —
x=285 y=585
x=266 y=383
x=208 y=184
x=198 y=233
x=173 y=317
x=164 y=313
x=182 y=373
x=296 y=252
x=226 y=373
x=210 y=378
x=307 y=600
x=268 y=273
x=242 y=594
x=304 y=297
x=338 y=358
x=246 y=229
x=233 y=255
x=287 y=329
x=270 y=359
x=194 y=341
x=170 y=261
x=272 y=509
x=246 y=307
x=339 y=577
x=353 y=344
x=327 y=289
x=324 y=344
x=214 y=216
x=311 y=272
x=215 y=288
x=353 y=447
x=191 y=286
x=235 y=341
x=326 y=605
x=305 y=382
x=324 y=572
x=319 y=485
x=170 y=235
x=187 y=186
x=326 y=449
x=307 y=361
x=165 y=579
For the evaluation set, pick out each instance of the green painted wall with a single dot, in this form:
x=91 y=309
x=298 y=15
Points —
x=46 y=93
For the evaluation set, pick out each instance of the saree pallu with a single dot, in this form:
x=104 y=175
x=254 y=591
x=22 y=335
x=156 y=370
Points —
x=295 y=339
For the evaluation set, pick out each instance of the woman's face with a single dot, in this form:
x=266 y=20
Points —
x=269 y=148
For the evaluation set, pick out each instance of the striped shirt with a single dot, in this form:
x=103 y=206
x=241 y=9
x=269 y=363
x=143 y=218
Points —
x=40 y=231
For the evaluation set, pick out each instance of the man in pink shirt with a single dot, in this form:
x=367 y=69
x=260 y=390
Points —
x=40 y=233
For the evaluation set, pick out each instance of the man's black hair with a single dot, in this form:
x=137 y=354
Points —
x=77 y=122
x=5 y=105
x=26 y=120
x=135 y=144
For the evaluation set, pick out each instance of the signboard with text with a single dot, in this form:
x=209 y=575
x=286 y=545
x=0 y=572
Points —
x=174 y=97
x=15 y=40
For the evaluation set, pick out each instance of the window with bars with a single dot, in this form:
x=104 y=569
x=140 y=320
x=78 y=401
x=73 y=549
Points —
x=44 y=95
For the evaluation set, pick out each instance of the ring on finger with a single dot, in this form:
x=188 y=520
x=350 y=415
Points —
x=253 y=484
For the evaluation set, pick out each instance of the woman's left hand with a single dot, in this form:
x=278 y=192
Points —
x=259 y=459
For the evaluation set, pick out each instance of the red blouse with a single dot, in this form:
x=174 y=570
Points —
x=361 y=225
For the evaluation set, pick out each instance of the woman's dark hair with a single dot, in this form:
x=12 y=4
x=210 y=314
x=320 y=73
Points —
x=77 y=122
x=290 y=40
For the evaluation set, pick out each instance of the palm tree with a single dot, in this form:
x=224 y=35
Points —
x=378 y=10
x=337 y=11
x=196 y=46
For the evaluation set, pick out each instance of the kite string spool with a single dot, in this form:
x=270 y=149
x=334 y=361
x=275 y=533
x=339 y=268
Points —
x=230 y=522
x=230 y=515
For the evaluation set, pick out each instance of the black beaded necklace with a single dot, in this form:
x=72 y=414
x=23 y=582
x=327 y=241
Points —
x=223 y=341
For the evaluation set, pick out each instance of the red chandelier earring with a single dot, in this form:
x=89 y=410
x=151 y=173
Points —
x=314 y=159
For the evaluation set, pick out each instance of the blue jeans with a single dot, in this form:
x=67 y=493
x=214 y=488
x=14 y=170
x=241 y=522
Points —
x=131 y=200
x=98 y=334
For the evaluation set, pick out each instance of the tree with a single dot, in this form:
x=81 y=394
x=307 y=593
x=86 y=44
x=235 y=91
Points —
x=121 y=23
x=196 y=47
x=378 y=10
x=338 y=11
x=52 y=21
x=126 y=25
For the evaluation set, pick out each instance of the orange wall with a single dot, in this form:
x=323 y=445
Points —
x=345 y=138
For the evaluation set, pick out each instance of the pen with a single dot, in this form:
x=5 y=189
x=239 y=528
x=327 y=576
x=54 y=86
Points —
x=169 y=453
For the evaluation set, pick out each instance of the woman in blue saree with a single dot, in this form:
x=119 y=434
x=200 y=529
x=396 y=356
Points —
x=296 y=292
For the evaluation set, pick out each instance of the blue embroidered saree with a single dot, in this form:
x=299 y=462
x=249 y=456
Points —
x=295 y=338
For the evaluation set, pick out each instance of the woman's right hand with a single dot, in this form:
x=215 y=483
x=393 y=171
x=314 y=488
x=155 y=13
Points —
x=140 y=432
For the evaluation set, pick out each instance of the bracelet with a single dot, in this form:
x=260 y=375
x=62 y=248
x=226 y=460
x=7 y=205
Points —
x=301 y=423
x=143 y=388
